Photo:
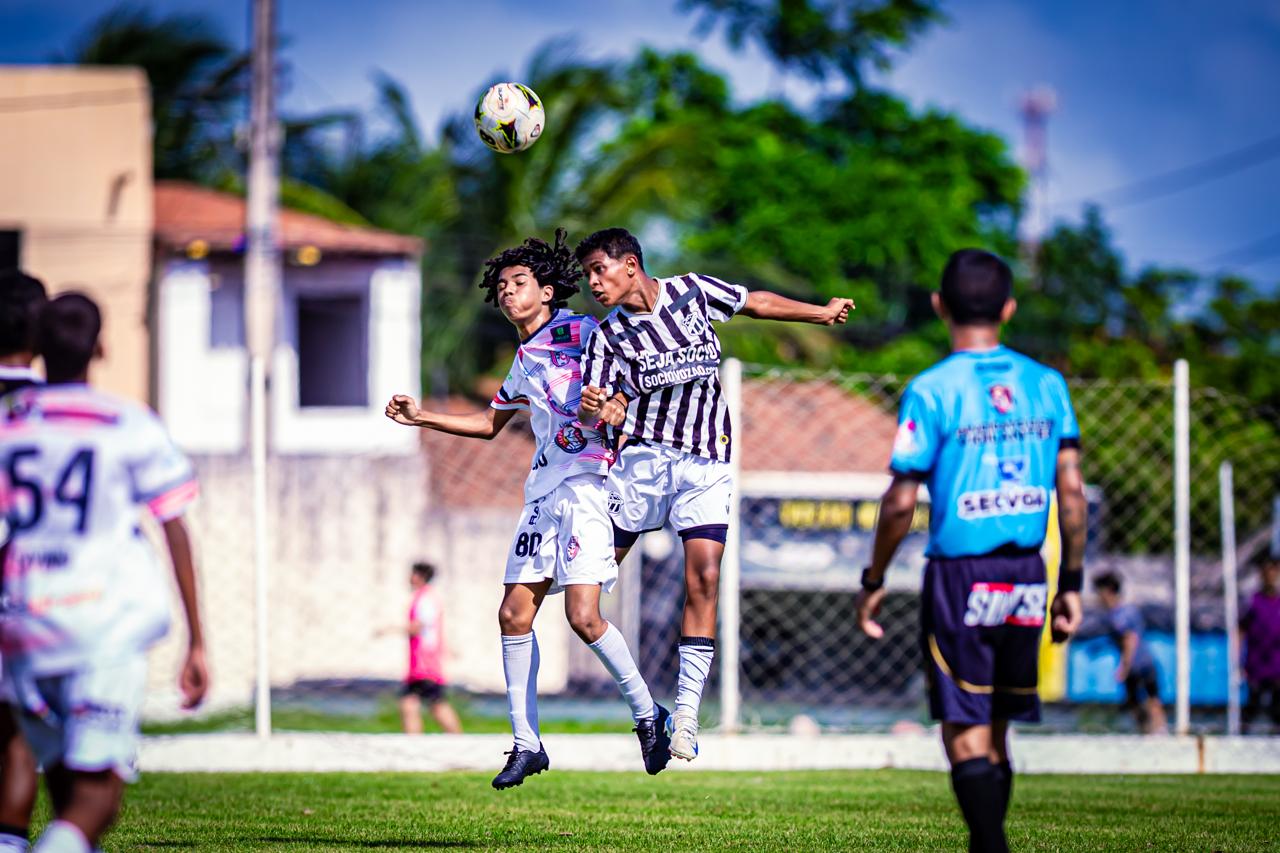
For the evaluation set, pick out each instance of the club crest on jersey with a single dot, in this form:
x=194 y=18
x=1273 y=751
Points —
x=1001 y=398
x=694 y=324
x=560 y=358
x=562 y=334
x=992 y=604
x=573 y=548
x=615 y=503
x=570 y=439
x=905 y=440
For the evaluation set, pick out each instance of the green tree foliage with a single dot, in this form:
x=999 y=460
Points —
x=820 y=39
x=197 y=82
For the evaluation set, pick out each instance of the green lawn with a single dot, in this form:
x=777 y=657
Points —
x=795 y=811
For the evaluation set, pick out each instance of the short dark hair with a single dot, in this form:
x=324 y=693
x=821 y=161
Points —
x=424 y=570
x=617 y=243
x=21 y=298
x=550 y=265
x=1108 y=580
x=975 y=287
x=67 y=335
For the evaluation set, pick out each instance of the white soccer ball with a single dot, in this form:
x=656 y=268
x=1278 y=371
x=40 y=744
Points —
x=510 y=118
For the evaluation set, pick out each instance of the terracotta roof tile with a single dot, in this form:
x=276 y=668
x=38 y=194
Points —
x=788 y=426
x=185 y=212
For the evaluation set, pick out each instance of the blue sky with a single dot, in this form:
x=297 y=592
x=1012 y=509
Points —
x=1144 y=86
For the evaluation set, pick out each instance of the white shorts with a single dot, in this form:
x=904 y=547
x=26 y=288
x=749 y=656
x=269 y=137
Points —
x=566 y=536
x=652 y=484
x=87 y=719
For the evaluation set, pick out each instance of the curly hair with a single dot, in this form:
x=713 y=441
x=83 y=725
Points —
x=551 y=265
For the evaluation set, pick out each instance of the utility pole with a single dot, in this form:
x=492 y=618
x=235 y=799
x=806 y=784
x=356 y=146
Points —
x=1036 y=107
x=261 y=292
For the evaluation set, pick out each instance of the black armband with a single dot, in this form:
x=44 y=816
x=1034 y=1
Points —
x=871 y=585
x=1070 y=580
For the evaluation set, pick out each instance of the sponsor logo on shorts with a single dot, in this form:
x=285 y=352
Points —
x=92 y=711
x=571 y=439
x=1001 y=398
x=615 y=503
x=993 y=604
x=1011 y=500
x=573 y=548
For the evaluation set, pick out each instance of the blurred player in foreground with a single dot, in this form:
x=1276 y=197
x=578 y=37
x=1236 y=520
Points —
x=1137 y=668
x=21 y=300
x=86 y=593
x=1261 y=626
x=424 y=681
x=991 y=433
x=564 y=541
x=652 y=369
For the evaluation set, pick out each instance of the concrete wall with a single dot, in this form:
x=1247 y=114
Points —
x=75 y=179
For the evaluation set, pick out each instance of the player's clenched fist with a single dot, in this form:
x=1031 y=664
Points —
x=403 y=409
x=838 y=311
x=593 y=399
x=613 y=412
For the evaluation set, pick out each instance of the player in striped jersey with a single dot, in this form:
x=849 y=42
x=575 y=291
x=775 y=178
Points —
x=21 y=298
x=564 y=541
x=86 y=594
x=652 y=369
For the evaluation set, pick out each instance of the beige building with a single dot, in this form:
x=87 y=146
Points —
x=76 y=198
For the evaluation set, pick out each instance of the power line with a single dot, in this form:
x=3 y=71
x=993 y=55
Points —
x=1184 y=178
x=1249 y=253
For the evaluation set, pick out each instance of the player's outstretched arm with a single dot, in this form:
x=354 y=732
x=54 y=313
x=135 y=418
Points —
x=897 y=508
x=194 y=679
x=485 y=424
x=1066 y=612
x=766 y=305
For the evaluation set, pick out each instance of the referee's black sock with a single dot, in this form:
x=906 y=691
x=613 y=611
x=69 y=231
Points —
x=1004 y=772
x=981 y=797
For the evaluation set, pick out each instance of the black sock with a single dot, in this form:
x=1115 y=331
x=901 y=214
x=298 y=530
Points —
x=979 y=793
x=1004 y=772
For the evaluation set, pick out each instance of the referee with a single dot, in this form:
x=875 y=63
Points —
x=991 y=433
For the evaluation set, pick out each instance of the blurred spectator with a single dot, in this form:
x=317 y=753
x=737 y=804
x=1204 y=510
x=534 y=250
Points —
x=1137 y=670
x=424 y=681
x=1261 y=627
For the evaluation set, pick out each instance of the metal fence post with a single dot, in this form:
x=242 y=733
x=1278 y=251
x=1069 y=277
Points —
x=730 y=577
x=1230 y=601
x=1182 y=541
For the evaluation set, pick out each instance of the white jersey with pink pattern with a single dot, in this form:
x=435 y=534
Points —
x=82 y=583
x=546 y=380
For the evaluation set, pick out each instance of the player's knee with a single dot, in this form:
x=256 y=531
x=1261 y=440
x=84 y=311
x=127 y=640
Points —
x=512 y=620
x=704 y=579
x=586 y=622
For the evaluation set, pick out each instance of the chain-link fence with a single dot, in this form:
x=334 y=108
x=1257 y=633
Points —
x=813 y=448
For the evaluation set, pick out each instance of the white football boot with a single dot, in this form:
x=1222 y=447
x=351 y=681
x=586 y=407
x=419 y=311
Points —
x=682 y=728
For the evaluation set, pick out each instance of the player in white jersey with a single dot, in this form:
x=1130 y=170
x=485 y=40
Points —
x=21 y=299
x=564 y=541
x=86 y=594
x=652 y=369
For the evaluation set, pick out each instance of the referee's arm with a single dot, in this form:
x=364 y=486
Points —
x=1073 y=516
x=897 y=508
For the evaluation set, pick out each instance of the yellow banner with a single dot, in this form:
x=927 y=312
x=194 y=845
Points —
x=1053 y=658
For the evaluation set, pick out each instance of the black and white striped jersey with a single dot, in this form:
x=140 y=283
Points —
x=667 y=363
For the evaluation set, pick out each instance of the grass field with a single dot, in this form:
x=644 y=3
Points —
x=801 y=811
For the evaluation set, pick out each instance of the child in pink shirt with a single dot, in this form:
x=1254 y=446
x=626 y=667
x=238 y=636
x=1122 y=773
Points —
x=424 y=680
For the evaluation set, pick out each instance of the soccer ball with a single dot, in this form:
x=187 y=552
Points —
x=510 y=118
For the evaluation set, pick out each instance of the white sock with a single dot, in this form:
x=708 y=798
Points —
x=695 y=667
x=10 y=843
x=520 y=666
x=612 y=650
x=62 y=837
